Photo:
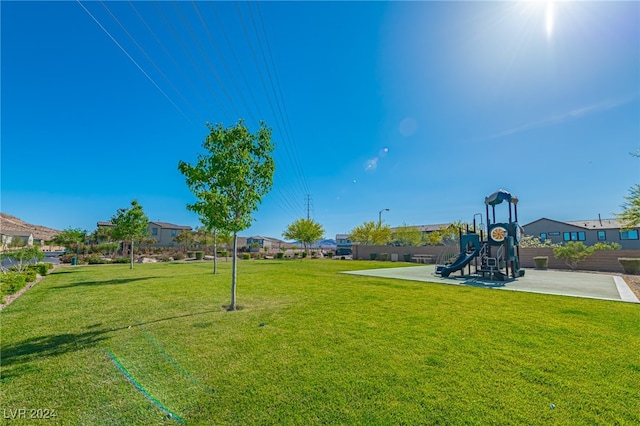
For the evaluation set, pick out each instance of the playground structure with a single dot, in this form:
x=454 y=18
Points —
x=496 y=258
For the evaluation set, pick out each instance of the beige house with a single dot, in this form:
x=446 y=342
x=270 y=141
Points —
x=9 y=237
x=163 y=232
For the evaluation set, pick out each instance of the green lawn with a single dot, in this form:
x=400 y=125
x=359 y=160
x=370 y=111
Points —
x=312 y=346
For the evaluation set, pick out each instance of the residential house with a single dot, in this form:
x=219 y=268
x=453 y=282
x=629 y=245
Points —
x=11 y=236
x=588 y=231
x=264 y=243
x=163 y=232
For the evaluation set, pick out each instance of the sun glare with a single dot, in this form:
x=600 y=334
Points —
x=549 y=18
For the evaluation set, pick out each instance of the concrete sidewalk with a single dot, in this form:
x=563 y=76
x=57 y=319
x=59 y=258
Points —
x=576 y=284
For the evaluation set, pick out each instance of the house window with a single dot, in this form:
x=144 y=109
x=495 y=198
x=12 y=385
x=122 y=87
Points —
x=602 y=236
x=154 y=231
x=543 y=236
x=629 y=235
x=573 y=236
x=173 y=232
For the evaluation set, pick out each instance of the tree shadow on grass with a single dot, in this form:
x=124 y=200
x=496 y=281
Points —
x=115 y=281
x=16 y=356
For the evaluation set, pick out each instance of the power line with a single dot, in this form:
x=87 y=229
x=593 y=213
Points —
x=133 y=60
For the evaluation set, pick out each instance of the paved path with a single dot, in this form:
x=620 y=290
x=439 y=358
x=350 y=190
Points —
x=577 y=284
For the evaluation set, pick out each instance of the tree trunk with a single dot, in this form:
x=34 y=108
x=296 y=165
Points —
x=131 y=266
x=234 y=262
x=215 y=251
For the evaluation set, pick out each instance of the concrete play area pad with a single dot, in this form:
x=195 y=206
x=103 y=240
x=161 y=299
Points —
x=576 y=284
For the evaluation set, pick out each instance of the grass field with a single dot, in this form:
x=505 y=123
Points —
x=311 y=346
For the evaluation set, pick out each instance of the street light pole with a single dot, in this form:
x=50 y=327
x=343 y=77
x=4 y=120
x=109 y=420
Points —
x=380 y=217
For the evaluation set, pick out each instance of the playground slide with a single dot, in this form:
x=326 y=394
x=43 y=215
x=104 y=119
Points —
x=463 y=260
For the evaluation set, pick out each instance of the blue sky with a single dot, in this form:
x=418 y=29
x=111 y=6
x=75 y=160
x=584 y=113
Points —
x=423 y=108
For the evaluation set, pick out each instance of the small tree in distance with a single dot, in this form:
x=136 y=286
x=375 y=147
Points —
x=130 y=225
x=306 y=231
x=230 y=179
x=408 y=235
x=630 y=216
x=371 y=233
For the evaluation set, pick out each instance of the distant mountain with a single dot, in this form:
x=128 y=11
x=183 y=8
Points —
x=12 y=223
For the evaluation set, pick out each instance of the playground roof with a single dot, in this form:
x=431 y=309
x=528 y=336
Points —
x=498 y=197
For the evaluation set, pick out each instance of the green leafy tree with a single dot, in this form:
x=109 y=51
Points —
x=573 y=253
x=230 y=179
x=102 y=234
x=451 y=233
x=607 y=246
x=17 y=242
x=130 y=225
x=408 y=236
x=433 y=238
x=306 y=231
x=186 y=239
x=70 y=238
x=630 y=216
x=20 y=259
x=371 y=233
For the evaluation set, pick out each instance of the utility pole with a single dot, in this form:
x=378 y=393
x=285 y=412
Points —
x=308 y=206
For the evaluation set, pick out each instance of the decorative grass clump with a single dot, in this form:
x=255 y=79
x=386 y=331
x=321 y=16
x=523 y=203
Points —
x=312 y=346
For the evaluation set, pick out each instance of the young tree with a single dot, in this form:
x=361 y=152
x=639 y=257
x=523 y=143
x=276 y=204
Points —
x=186 y=239
x=630 y=216
x=20 y=259
x=408 y=235
x=69 y=238
x=371 y=233
x=304 y=230
x=130 y=225
x=230 y=180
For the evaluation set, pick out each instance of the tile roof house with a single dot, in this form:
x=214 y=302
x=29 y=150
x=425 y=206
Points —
x=588 y=231
x=10 y=236
x=163 y=232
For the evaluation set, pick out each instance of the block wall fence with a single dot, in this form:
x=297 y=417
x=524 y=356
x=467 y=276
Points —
x=601 y=261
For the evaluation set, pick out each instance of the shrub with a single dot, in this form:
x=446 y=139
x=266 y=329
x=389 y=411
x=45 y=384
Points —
x=190 y=254
x=407 y=257
x=631 y=265
x=280 y=255
x=49 y=265
x=246 y=256
x=12 y=282
x=95 y=260
x=178 y=256
x=121 y=260
x=66 y=258
x=384 y=256
x=199 y=255
x=542 y=262
x=40 y=268
x=330 y=254
x=573 y=253
x=607 y=246
x=304 y=254
x=373 y=256
x=224 y=253
x=29 y=275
